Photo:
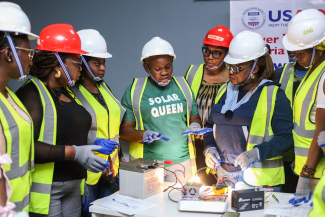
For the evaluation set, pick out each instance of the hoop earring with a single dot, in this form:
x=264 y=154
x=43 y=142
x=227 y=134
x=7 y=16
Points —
x=58 y=74
x=320 y=53
x=252 y=76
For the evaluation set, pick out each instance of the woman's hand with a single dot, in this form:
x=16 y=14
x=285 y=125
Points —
x=247 y=158
x=212 y=159
x=150 y=136
x=303 y=192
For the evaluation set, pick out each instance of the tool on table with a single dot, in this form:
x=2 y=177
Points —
x=124 y=204
x=275 y=198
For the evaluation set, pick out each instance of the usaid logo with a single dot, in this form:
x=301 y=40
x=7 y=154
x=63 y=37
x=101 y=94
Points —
x=253 y=18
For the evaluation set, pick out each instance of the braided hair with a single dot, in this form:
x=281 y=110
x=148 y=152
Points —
x=43 y=63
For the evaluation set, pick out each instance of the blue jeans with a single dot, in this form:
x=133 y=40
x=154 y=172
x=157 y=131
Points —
x=96 y=192
x=238 y=177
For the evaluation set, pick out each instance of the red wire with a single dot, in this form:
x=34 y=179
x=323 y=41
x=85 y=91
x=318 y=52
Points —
x=182 y=166
x=215 y=177
x=177 y=177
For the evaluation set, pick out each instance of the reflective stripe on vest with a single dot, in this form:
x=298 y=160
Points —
x=43 y=175
x=287 y=80
x=220 y=93
x=103 y=125
x=318 y=199
x=137 y=89
x=271 y=171
x=304 y=129
x=19 y=136
x=194 y=77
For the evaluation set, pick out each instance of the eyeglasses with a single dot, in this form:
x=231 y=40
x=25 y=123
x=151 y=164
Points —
x=97 y=64
x=31 y=52
x=236 y=69
x=216 y=54
x=77 y=64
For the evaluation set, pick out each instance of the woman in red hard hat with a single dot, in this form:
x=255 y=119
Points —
x=205 y=81
x=61 y=125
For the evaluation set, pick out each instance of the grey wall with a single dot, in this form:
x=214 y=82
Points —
x=128 y=24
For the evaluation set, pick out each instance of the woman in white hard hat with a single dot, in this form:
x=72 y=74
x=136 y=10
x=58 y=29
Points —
x=159 y=108
x=16 y=140
x=306 y=35
x=105 y=109
x=252 y=120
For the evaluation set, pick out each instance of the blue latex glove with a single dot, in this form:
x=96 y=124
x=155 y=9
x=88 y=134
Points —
x=196 y=129
x=107 y=146
x=303 y=193
x=294 y=201
x=150 y=136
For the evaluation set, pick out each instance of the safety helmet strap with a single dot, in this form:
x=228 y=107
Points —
x=14 y=52
x=70 y=81
x=89 y=70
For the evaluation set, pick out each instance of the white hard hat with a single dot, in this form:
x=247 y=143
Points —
x=157 y=46
x=306 y=30
x=14 y=19
x=244 y=47
x=94 y=43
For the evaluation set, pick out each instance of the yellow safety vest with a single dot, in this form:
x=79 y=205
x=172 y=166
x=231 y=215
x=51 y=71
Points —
x=286 y=81
x=271 y=171
x=319 y=199
x=137 y=89
x=103 y=125
x=20 y=147
x=304 y=129
x=43 y=176
x=194 y=76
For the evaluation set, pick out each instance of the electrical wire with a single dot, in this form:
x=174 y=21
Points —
x=171 y=191
x=182 y=166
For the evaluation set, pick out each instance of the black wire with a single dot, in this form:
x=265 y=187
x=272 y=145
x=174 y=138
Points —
x=171 y=191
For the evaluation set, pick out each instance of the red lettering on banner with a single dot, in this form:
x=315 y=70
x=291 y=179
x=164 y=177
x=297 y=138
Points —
x=271 y=40
x=277 y=51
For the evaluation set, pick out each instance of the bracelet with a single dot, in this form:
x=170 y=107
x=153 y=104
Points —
x=307 y=172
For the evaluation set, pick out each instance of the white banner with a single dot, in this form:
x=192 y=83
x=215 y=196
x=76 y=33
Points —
x=270 y=19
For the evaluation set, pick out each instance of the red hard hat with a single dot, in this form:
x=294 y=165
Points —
x=60 y=38
x=218 y=36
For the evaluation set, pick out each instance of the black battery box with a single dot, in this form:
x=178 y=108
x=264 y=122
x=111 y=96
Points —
x=247 y=200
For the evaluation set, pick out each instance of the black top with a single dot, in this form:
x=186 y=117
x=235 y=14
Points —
x=73 y=124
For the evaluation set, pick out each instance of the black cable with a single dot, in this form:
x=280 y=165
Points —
x=171 y=191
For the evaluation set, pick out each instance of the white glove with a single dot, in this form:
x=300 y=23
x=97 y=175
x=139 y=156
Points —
x=212 y=158
x=321 y=140
x=303 y=192
x=246 y=159
x=88 y=159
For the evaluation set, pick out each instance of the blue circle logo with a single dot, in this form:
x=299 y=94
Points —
x=253 y=18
